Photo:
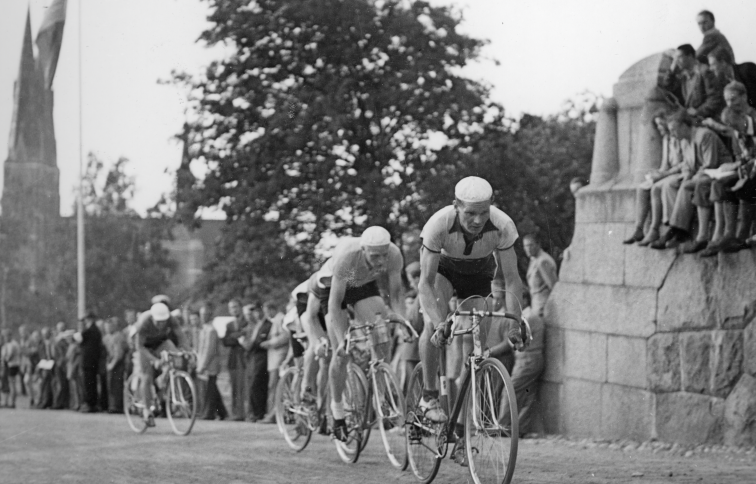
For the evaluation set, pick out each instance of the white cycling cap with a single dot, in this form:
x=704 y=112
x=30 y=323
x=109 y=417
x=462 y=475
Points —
x=473 y=189
x=160 y=312
x=375 y=236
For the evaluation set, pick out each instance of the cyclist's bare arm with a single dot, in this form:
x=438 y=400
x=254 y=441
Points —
x=396 y=293
x=339 y=319
x=429 y=300
x=506 y=262
x=309 y=318
x=139 y=345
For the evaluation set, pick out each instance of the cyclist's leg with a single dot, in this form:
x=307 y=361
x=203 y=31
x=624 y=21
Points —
x=338 y=365
x=428 y=353
x=143 y=368
x=367 y=310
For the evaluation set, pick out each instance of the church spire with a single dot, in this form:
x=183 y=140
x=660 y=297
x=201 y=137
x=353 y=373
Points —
x=25 y=86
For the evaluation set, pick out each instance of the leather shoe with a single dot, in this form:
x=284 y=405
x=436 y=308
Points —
x=653 y=236
x=711 y=250
x=694 y=246
x=636 y=237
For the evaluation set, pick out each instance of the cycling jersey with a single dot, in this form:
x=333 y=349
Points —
x=468 y=262
x=151 y=335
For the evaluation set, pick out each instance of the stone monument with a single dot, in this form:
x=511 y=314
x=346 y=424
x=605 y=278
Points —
x=642 y=343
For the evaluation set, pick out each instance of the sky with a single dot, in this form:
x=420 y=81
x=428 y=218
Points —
x=548 y=52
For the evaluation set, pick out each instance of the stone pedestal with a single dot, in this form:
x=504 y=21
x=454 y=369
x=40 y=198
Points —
x=641 y=343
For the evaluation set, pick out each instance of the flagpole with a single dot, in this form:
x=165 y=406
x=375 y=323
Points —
x=81 y=281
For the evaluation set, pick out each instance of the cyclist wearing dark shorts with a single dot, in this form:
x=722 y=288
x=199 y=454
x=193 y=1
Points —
x=359 y=266
x=155 y=331
x=467 y=247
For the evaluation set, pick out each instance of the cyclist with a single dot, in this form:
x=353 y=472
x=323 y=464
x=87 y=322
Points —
x=156 y=331
x=314 y=325
x=359 y=266
x=467 y=247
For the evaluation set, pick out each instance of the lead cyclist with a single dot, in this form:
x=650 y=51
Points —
x=468 y=247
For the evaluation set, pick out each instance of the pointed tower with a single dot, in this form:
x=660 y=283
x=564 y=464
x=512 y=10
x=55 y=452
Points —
x=31 y=195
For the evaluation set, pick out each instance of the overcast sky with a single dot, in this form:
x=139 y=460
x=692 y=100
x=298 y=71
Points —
x=549 y=50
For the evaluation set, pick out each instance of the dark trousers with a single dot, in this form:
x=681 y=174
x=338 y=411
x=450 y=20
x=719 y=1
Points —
x=61 y=395
x=257 y=384
x=45 y=399
x=102 y=395
x=115 y=388
x=89 y=386
x=213 y=403
x=237 y=392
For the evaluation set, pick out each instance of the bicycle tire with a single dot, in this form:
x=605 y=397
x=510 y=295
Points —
x=292 y=425
x=355 y=395
x=181 y=404
x=389 y=405
x=421 y=435
x=368 y=417
x=132 y=405
x=491 y=425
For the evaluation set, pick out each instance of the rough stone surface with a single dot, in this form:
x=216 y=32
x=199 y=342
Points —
x=618 y=310
x=726 y=361
x=586 y=355
x=582 y=408
x=626 y=413
x=689 y=418
x=603 y=242
x=605 y=205
x=740 y=413
x=626 y=361
x=749 y=349
x=554 y=351
x=552 y=407
x=695 y=355
x=646 y=268
x=684 y=298
x=663 y=362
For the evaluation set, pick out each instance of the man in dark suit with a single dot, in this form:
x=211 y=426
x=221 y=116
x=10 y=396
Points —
x=91 y=351
x=258 y=331
x=701 y=95
x=236 y=365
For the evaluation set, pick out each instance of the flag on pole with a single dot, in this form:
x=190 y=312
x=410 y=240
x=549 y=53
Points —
x=50 y=38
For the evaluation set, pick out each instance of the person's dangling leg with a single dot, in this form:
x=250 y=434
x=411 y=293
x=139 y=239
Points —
x=642 y=208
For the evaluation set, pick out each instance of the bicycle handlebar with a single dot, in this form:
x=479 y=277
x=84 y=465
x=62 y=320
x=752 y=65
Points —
x=349 y=338
x=525 y=332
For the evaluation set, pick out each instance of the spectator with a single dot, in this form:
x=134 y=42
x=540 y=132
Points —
x=710 y=152
x=236 y=363
x=542 y=273
x=193 y=329
x=664 y=181
x=61 y=397
x=713 y=39
x=117 y=349
x=276 y=345
x=408 y=353
x=697 y=86
x=73 y=373
x=11 y=363
x=90 y=342
x=258 y=330
x=47 y=356
x=30 y=352
x=23 y=335
x=102 y=371
x=208 y=367
x=526 y=372
x=130 y=317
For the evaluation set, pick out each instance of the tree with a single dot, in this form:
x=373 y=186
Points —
x=330 y=115
x=125 y=262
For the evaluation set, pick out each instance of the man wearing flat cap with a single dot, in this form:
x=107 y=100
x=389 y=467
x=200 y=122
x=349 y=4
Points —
x=467 y=247
x=91 y=349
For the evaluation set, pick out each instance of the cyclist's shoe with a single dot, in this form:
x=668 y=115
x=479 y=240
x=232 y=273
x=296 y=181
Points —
x=432 y=410
x=458 y=453
x=149 y=419
x=310 y=404
x=340 y=431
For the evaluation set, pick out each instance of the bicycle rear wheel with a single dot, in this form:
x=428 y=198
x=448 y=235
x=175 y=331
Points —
x=355 y=396
x=491 y=425
x=133 y=406
x=181 y=404
x=389 y=411
x=421 y=434
x=291 y=416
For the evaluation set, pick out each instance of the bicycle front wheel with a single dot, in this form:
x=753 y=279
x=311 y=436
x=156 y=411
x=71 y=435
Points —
x=182 y=403
x=421 y=435
x=491 y=425
x=291 y=416
x=133 y=406
x=355 y=396
x=389 y=412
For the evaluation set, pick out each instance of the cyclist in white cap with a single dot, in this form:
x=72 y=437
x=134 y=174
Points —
x=467 y=247
x=156 y=331
x=359 y=266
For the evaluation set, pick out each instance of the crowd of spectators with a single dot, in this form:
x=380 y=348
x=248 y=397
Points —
x=704 y=192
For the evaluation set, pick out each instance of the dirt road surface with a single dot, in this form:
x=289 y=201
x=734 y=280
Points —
x=46 y=446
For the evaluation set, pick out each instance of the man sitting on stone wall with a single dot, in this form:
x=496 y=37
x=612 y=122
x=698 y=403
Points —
x=713 y=39
x=710 y=152
x=697 y=85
